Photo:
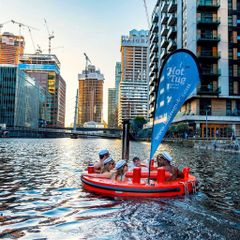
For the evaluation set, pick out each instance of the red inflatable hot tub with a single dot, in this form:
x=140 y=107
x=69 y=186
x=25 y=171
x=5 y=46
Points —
x=137 y=184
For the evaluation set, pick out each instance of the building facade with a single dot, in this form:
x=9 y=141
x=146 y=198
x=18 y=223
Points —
x=117 y=79
x=45 y=69
x=11 y=48
x=210 y=29
x=90 y=96
x=133 y=88
x=112 y=105
x=19 y=98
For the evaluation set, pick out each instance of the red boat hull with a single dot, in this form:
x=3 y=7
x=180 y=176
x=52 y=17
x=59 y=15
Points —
x=112 y=188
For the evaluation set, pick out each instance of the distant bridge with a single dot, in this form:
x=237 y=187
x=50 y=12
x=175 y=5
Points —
x=63 y=132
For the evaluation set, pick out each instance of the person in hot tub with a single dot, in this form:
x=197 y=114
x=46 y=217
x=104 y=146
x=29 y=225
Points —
x=164 y=159
x=136 y=162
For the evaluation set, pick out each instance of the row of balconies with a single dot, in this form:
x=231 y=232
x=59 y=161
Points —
x=208 y=90
x=209 y=55
x=171 y=35
x=169 y=7
x=211 y=72
x=208 y=38
x=153 y=79
x=208 y=21
x=168 y=44
x=204 y=5
x=170 y=19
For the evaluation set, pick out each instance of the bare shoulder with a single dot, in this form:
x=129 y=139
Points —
x=97 y=164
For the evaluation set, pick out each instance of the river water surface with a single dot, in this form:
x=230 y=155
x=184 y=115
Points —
x=41 y=195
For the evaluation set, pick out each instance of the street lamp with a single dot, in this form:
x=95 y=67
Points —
x=207 y=109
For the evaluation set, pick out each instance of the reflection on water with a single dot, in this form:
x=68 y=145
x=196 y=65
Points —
x=41 y=195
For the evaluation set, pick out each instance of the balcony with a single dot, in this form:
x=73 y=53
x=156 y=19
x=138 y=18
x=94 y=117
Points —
x=208 y=38
x=164 y=19
x=164 y=42
x=172 y=46
x=155 y=28
x=153 y=79
x=204 y=5
x=155 y=19
x=208 y=90
x=152 y=73
x=154 y=68
x=153 y=57
x=172 y=20
x=154 y=47
x=154 y=39
x=152 y=98
x=172 y=6
x=151 y=89
x=208 y=21
x=206 y=72
x=164 y=7
x=235 y=112
x=153 y=31
x=208 y=55
x=164 y=53
x=172 y=32
x=164 y=31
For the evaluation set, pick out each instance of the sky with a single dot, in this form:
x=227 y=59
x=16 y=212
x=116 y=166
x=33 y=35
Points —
x=93 y=27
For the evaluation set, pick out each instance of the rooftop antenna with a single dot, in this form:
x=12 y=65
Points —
x=50 y=37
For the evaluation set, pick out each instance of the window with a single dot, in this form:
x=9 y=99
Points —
x=228 y=107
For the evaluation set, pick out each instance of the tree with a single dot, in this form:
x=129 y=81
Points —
x=137 y=125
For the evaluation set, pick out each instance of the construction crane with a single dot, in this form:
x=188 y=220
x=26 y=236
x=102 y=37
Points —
x=146 y=11
x=50 y=36
x=29 y=29
x=87 y=63
x=1 y=25
x=23 y=25
x=38 y=50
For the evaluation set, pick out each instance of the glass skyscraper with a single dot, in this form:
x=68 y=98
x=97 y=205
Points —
x=19 y=98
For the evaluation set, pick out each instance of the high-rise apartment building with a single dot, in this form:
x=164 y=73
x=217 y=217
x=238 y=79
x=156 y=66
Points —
x=45 y=69
x=210 y=29
x=112 y=105
x=113 y=99
x=133 y=90
x=19 y=98
x=11 y=48
x=117 y=79
x=90 y=95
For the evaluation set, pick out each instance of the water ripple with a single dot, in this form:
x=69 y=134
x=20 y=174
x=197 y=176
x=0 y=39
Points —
x=41 y=195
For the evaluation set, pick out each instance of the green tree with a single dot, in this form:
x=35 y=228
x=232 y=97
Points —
x=137 y=125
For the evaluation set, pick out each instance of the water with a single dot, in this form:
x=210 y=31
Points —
x=41 y=195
